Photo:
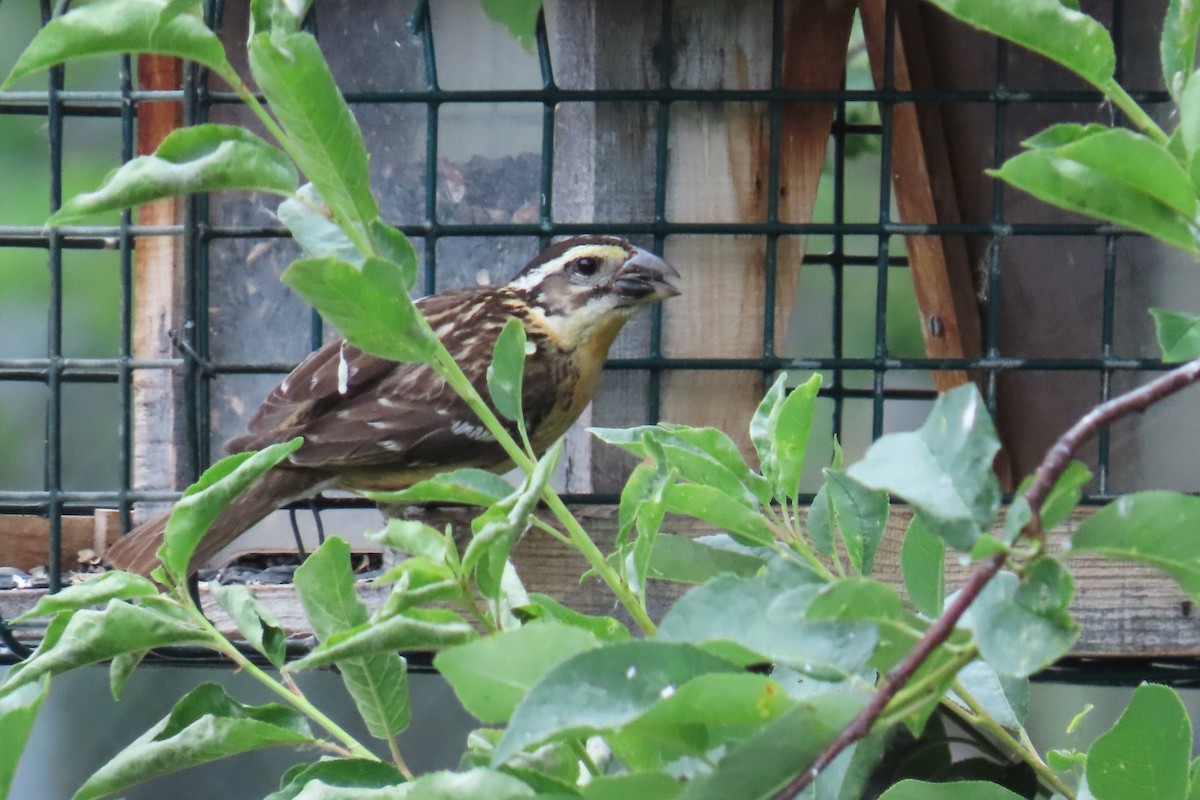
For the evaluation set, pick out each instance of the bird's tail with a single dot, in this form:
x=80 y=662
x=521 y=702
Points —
x=137 y=550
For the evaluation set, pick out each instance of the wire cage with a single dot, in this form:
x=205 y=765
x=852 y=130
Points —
x=815 y=171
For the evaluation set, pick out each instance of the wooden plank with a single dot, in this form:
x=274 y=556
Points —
x=158 y=307
x=720 y=172
x=1125 y=610
x=25 y=539
x=924 y=189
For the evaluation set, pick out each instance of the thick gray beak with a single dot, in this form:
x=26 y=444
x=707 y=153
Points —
x=643 y=278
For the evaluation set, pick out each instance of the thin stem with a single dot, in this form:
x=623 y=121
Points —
x=398 y=758
x=980 y=718
x=580 y=749
x=298 y=701
x=546 y=527
x=1136 y=114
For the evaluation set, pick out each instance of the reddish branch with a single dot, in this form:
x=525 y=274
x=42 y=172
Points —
x=1055 y=462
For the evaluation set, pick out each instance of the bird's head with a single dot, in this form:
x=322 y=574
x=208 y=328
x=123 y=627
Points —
x=586 y=284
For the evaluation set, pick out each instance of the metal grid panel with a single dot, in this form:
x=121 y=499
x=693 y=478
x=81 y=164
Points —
x=855 y=379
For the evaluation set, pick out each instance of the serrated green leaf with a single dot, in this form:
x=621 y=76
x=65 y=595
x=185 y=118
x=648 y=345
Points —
x=496 y=530
x=90 y=637
x=1177 y=47
x=369 y=306
x=944 y=469
x=256 y=622
x=18 y=712
x=205 y=725
x=744 y=524
x=378 y=683
x=491 y=675
x=780 y=430
x=205 y=499
x=1075 y=186
x=200 y=158
x=763 y=620
x=387 y=636
x=955 y=790
x=327 y=143
x=860 y=515
x=1049 y=27
x=344 y=773
x=540 y=606
x=472 y=487
x=1178 y=334
x=1149 y=528
x=761 y=764
x=92 y=592
x=695 y=560
x=923 y=565
x=519 y=16
x=112 y=27
x=1023 y=625
x=1147 y=752
x=602 y=689
x=505 y=373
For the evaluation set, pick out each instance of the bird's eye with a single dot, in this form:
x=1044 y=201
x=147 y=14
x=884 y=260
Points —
x=586 y=266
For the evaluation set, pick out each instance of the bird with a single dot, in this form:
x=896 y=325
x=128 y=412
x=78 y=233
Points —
x=371 y=424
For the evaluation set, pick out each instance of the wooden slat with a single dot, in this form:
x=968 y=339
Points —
x=720 y=172
x=924 y=191
x=1125 y=610
x=25 y=540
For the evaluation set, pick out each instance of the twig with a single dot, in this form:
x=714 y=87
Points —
x=1055 y=462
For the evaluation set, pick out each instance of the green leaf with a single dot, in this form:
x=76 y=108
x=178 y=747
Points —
x=357 y=773
x=92 y=592
x=763 y=620
x=200 y=158
x=1147 y=753
x=650 y=514
x=112 y=27
x=519 y=16
x=255 y=621
x=1187 y=135
x=277 y=16
x=326 y=141
x=700 y=716
x=957 y=790
x=1178 y=334
x=761 y=764
x=658 y=785
x=860 y=515
x=540 y=606
x=1150 y=528
x=307 y=216
x=472 y=487
x=121 y=669
x=392 y=245
x=491 y=675
x=370 y=306
x=1143 y=165
x=1177 y=47
x=90 y=637
x=780 y=429
x=386 y=636
x=1075 y=186
x=413 y=538
x=18 y=712
x=923 y=565
x=602 y=689
x=1049 y=27
x=1065 y=495
x=378 y=683
x=205 y=499
x=744 y=524
x=507 y=368
x=496 y=530
x=206 y=725
x=689 y=560
x=417 y=581
x=944 y=469
x=1023 y=626
x=475 y=784
x=1005 y=699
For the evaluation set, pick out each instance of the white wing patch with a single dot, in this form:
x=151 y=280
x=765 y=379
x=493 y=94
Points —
x=471 y=430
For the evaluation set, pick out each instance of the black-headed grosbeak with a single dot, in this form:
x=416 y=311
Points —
x=373 y=424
